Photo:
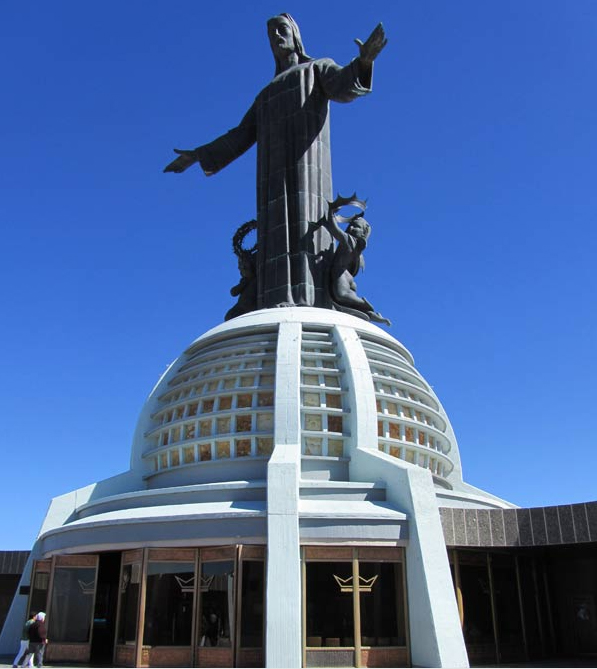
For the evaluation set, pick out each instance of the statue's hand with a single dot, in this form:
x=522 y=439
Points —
x=185 y=159
x=376 y=41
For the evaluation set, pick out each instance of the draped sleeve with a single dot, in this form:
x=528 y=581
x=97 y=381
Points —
x=217 y=154
x=342 y=84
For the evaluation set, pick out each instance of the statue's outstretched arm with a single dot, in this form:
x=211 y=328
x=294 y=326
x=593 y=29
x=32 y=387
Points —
x=185 y=159
x=334 y=229
x=217 y=154
x=369 y=51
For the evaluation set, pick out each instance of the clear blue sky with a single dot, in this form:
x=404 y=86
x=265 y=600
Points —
x=477 y=151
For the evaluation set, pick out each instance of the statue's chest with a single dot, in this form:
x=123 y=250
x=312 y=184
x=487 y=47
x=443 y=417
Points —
x=293 y=92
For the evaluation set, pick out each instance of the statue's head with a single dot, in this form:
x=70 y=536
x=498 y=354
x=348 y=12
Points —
x=359 y=228
x=285 y=38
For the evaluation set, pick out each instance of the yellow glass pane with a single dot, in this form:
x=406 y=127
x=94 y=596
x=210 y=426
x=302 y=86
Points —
x=335 y=448
x=265 y=445
x=311 y=399
x=395 y=451
x=394 y=431
x=313 y=446
x=164 y=460
x=222 y=449
x=265 y=422
x=228 y=383
x=175 y=458
x=193 y=409
x=266 y=380
x=266 y=399
x=333 y=401
x=244 y=401
x=310 y=379
x=243 y=423
x=223 y=425
x=205 y=452
x=410 y=456
x=204 y=428
x=392 y=408
x=175 y=434
x=247 y=381
x=189 y=431
x=207 y=406
x=225 y=403
x=313 y=422
x=332 y=381
x=334 y=423
x=189 y=454
x=409 y=434
x=243 y=448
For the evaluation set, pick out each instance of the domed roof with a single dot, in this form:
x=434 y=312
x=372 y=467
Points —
x=219 y=408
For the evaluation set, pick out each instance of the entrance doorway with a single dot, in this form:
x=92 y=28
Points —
x=104 y=615
x=365 y=589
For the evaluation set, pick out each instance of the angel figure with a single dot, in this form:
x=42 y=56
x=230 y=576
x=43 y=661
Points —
x=348 y=259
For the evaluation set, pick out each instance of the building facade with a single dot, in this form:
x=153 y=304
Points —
x=293 y=484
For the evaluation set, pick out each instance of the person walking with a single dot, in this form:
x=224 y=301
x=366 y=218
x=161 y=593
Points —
x=24 y=644
x=37 y=640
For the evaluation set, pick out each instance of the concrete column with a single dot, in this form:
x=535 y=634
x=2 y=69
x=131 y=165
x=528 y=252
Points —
x=283 y=605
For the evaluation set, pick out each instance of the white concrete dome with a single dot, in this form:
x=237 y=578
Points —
x=213 y=415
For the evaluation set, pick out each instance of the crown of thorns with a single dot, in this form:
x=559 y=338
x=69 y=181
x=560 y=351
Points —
x=340 y=202
x=239 y=238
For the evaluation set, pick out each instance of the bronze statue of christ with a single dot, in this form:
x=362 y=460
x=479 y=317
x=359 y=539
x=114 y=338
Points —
x=289 y=121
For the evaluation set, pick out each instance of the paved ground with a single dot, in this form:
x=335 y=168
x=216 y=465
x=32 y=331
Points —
x=573 y=663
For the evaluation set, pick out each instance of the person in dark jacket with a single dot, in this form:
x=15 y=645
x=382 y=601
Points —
x=37 y=640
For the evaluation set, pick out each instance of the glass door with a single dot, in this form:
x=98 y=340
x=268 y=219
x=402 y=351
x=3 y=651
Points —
x=128 y=608
x=250 y=638
x=70 y=610
x=167 y=620
x=354 y=607
x=217 y=607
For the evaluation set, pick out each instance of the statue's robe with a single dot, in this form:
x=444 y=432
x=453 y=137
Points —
x=289 y=120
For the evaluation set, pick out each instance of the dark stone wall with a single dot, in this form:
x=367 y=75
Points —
x=540 y=526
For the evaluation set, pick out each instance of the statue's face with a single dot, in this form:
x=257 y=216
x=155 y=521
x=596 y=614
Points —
x=280 y=36
x=359 y=228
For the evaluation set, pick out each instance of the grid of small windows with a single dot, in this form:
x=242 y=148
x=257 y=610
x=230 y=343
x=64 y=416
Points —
x=219 y=405
x=323 y=421
x=409 y=424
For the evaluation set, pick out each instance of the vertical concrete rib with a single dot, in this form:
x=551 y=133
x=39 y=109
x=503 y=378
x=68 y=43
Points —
x=436 y=638
x=283 y=612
